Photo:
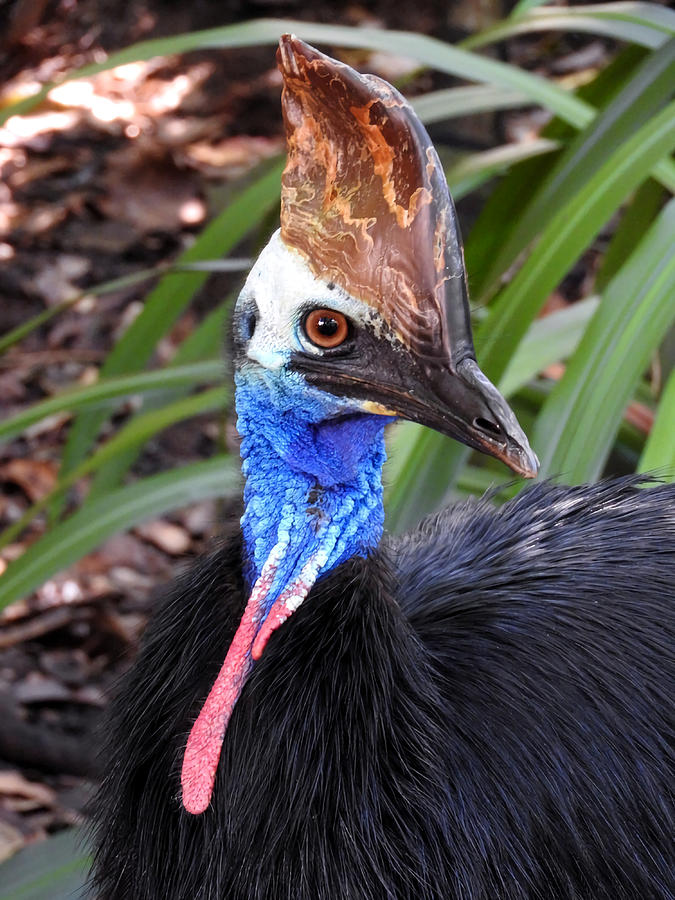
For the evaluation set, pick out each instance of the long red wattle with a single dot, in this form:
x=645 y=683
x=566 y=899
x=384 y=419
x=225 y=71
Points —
x=205 y=742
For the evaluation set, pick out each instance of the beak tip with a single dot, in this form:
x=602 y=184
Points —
x=530 y=466
x=520 y=458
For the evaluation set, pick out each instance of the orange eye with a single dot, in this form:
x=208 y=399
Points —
x=326 y=328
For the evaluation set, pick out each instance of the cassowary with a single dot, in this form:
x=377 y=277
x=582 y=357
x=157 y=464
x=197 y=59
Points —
x=478 y=710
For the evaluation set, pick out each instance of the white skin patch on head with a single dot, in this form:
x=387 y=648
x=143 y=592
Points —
x=283 y=289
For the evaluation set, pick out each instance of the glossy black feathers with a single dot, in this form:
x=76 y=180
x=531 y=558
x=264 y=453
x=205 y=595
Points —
x=482 y=710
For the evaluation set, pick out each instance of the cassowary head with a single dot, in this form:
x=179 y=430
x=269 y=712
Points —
x=355 y=313
x=362 y=294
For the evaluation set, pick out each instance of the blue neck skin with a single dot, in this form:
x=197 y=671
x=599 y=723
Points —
x=313 y=480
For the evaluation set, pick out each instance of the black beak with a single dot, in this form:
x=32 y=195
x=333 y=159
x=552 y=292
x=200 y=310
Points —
x=467 y=406
x=458 y=401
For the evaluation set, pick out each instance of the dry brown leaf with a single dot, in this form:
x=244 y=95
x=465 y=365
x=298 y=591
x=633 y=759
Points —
x=150 y=194
x=170 y=538
x=35 y=477
x=15 y=788
x=231 y=157
x=55 y=282
x=11 y=840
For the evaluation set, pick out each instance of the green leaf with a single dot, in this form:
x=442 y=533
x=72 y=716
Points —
x=437 y=106
x=549 y=340
x=567 y=234
x=475 y=168
x=577 y=425
x=640 y=212
x=113 y=389
x=659 y=452
x=524 y=6
x=641 y=23
x=500 y=216
x=169 y=299
x=116 y=284
x=645 y=93
x=204 y=342
x=430 y=51
x=421 y=466
x=133 y=435
x=19 y=333
x=507 y=203
x=570 y=229
x=55 y=869
x=123 y=508
x=473 y=480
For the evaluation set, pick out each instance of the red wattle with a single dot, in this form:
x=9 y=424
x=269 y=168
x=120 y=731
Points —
x=205 y=742
x=277 y=616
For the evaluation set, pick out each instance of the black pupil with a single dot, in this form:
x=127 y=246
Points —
x=327 y=326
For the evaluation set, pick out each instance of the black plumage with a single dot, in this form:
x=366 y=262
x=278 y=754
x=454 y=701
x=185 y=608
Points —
x=480 y=710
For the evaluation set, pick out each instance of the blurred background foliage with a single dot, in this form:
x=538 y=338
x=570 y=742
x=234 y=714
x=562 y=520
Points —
x=569 y=224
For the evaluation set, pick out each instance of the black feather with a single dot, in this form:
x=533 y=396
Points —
x=481 y=710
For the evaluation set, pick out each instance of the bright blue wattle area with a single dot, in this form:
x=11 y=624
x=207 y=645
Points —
x=313 y=470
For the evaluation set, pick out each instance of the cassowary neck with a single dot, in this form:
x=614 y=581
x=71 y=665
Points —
x=313 y=495
x=313 y=499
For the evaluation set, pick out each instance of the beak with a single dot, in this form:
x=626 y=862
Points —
x=467 y=406
x=458 y=401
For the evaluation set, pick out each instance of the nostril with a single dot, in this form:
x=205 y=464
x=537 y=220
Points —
x=492 y=428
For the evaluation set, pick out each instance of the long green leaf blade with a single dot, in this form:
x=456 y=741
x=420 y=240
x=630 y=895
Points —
x=636 y=218
x=417 y=455
x=659 y=451
x=569 y=231
x=109 y=391
x=508 y=201
x=129 y=438
x=421 y=464
x=567 y=234
x=78 y=535
x=549 y=340
x=204 y=342
x=436 y=106
x=429 y=51
x=644 y=94
x=577 y=425
x=55 y=869
x=475 y=168
x=641 y=23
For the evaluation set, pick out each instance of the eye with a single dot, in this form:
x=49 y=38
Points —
x=326 y=328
